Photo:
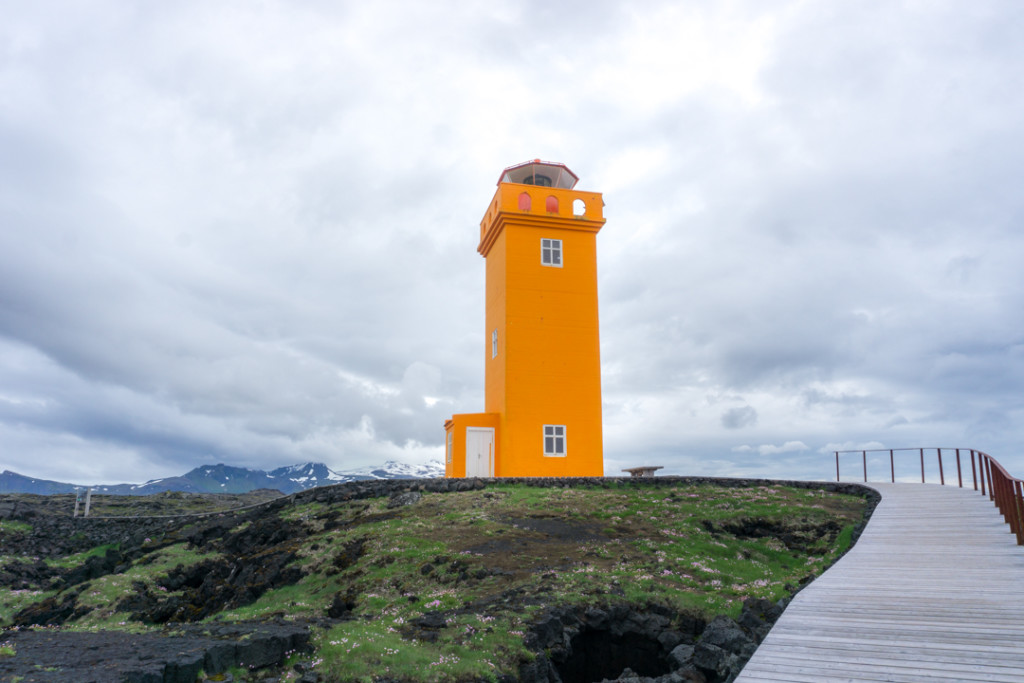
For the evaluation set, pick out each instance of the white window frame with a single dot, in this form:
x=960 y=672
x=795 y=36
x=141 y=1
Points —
x=556 y=434
x=551 y=252
x=494 y=343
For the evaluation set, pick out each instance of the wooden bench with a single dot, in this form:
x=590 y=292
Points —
x=642 y=471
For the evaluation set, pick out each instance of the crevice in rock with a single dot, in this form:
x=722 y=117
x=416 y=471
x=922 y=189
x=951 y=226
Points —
x=598 y=655
x=651 y=644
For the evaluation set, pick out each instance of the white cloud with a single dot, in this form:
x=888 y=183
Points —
x=771 y=449
x=247 y=232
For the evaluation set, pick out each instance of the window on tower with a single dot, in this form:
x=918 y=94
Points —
x=551 y=252
x=554 y=440
x=494 y=344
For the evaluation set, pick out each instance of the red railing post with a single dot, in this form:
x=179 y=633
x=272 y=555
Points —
x=981 y=471
x=864 y=454
x=942 y=476
x=1019 y=507
x=922 y=465
x=959 y=475
x=988 y=470
x=974 y=472
x=1002 y=501
x=892 y=467
x=1011 y=501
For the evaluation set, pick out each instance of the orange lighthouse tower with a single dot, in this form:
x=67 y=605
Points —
x=542 y=352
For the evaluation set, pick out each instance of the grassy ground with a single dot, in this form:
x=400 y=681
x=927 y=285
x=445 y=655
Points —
x=444 y=589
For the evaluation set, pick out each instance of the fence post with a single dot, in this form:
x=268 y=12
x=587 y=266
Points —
x=922 y=465
x=987 y=478
x=942 y=476
x=959 y=475
x=864 y=455
x=1001 y=502
x=88 y=500
x=1018 y=507
x=837 y=465
x=1011 y=505
x=892 y=467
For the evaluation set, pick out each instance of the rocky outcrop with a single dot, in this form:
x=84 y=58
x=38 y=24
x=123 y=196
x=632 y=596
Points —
x=174 y=657
x=652 y=645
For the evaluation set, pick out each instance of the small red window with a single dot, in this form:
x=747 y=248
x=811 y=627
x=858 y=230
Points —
x=524 y=201
x=551 y=204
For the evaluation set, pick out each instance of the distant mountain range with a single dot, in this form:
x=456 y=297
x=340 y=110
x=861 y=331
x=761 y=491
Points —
x=228 y=479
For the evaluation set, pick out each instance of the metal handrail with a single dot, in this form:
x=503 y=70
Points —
x=1005 y=491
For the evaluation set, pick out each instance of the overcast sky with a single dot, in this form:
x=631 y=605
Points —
x=245 y=232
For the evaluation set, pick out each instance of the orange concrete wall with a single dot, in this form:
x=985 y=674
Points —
x=495 y=369
x=455 y=428
x=548 y=368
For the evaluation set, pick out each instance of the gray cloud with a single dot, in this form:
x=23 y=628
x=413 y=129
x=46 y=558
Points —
x=248 y=233
x=738 y=418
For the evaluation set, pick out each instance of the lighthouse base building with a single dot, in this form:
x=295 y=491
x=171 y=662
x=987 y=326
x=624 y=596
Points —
x=542 y=411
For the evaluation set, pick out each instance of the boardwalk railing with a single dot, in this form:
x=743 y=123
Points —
x=1007 y=492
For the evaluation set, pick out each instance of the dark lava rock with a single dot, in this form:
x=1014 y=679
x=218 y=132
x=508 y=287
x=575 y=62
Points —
x=431 y=620
x=723 y=649
x=727 y=634
x=758 y=615
x=405 y=498
x=681 y=655
x=88 y=657
x=25 y=575
x=797 y=536
x=350 y=554
x=342 y=605
x=51 y=611
x=95 y=567
x=643 y=645
x=212 y=586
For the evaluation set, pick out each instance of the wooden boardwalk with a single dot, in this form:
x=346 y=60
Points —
x=932 y=591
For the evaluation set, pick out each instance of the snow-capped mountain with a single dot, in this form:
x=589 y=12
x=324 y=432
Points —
x=229 y=479
x=308 y=475
x=399 y=470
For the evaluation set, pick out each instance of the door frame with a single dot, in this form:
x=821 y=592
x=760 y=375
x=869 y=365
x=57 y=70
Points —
x=490 y=455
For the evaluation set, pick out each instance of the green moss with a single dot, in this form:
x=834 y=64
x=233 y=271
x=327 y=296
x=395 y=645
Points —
x=103 y=594
x=77 y=559
x=845 y=539
x=14 y=526
x=13 y=601
x=470 y=647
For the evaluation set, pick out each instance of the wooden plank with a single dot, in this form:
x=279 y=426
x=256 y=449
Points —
x=933 y=591
x=908 y=668
x=923 y=652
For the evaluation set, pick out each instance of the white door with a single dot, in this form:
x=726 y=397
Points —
x=479 y=452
